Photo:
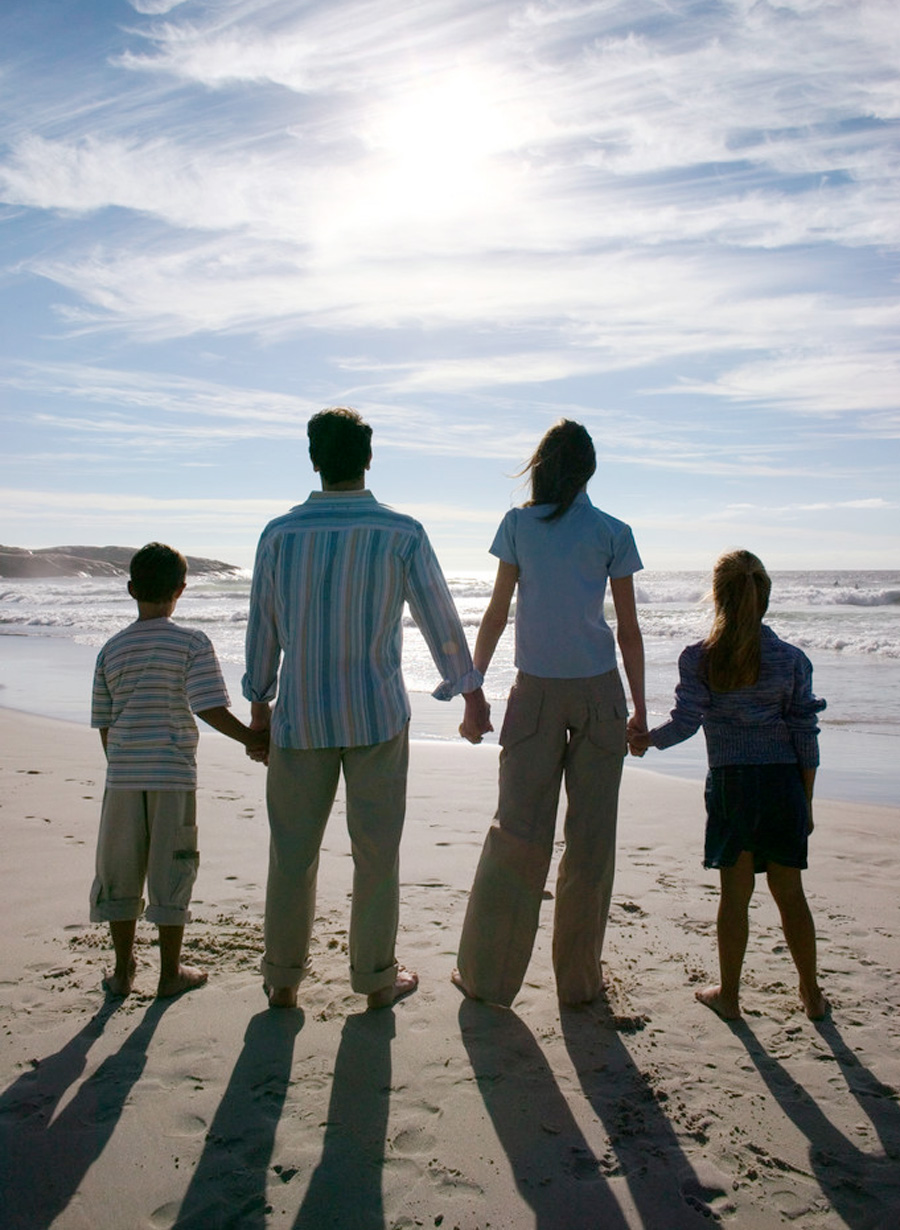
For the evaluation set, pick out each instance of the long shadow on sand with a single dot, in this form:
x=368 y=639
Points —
x=345 y=1189
x=863 y=1188
x=44 y=1162
x=648 y=1152
x=228 y=1188
x=555 y=1169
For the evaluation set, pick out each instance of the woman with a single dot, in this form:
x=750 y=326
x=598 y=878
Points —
x=566 y=715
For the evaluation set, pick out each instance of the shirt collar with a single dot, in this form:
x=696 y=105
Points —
x=365 y=494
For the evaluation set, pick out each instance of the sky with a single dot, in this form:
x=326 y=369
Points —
x=676 y=222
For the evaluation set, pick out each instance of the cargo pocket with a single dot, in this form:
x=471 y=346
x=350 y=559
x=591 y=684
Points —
x=185 y=861
x=607 y=726
x=523 y=712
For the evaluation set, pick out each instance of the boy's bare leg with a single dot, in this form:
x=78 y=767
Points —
x=175 y=978
x=731 y=930
x=121 y=981
x=786 y=884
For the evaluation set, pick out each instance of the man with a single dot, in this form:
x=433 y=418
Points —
x=329 y=585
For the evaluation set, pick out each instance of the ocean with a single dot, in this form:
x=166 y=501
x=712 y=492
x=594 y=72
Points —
x=847 y=622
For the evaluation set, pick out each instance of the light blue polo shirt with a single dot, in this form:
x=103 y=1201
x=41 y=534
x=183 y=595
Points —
x=563 y=568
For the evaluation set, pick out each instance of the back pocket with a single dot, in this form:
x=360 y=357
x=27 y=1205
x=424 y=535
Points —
x=523 y=713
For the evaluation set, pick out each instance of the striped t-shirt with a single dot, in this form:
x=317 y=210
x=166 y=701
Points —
x=329 y=584
x=149 y=679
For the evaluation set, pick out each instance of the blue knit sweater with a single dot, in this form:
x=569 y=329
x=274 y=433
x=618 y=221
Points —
x=772 y=722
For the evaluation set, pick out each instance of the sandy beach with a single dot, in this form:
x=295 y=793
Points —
x=213 y=1111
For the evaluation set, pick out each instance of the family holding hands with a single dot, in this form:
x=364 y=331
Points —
x=326 y=692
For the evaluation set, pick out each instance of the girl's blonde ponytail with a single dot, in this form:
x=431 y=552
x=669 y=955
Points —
x=741 y=588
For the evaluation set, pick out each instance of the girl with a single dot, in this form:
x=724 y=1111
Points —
x=752 y=694
x=566 y=715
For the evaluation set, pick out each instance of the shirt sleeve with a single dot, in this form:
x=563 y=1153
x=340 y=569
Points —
x=101 y=700
x=691 y=702
x=204 y=684
x=263 y=649
x=437 y=619
x=504 y=544
x=801 y=715
x=625 y=561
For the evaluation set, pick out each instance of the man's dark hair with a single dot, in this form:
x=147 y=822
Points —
x=157 y=572
x=340 y=444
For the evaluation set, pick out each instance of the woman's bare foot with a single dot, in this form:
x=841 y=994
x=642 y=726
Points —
x=281 y=997
x=188 y=978
x=815 y=1004
x=725 y=1007
x=456 y=979
x=404 y=984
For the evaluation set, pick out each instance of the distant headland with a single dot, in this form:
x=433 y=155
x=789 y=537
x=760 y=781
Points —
x=17 y=562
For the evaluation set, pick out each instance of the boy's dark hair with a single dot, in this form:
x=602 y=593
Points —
x=340 y=444
x=157 y=572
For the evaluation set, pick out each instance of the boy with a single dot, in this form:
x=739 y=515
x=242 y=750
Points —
x=149 y=679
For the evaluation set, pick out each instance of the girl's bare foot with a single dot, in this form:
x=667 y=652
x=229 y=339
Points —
x=724 y=1006
x=404 y=984
x=815 y=1004
x=188 y=978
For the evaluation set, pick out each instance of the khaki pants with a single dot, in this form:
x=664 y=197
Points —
x=148 y=834
x=554 y=729
x=300 y=792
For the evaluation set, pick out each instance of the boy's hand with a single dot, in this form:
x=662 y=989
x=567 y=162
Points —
x=258 y=745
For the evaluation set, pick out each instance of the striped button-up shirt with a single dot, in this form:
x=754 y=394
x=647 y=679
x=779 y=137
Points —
x=148 y=679
x=326 y=604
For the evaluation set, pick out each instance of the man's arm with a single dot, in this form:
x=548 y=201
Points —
x=262 y=647
x=437 y=618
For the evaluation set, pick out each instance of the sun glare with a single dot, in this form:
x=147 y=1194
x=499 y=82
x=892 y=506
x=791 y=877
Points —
x=438 y=149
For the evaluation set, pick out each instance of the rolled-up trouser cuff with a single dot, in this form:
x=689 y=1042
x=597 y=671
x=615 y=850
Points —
x=365 y=984
x=283 y=975
x=167 y=915
x=124 y=909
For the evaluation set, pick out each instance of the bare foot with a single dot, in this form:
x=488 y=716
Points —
x=281 y=997
x=815 y=1004
x=404 y=984
x=456 y=979
x=188 y=978
x=712 y=997
x=117 y=985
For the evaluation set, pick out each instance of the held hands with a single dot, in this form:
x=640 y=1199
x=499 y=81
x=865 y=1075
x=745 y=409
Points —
x=260 y=721
x=638 y=738
x=258 y=745
x=477 y=717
